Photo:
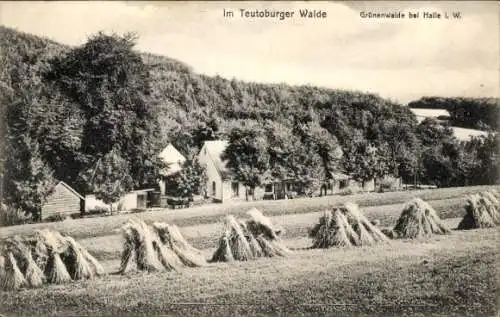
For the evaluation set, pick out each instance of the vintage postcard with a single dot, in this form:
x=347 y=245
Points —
x=251 y=158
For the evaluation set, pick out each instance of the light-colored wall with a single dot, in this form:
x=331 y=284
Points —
x=127 y=202
x=161 y=183
x=212 y=174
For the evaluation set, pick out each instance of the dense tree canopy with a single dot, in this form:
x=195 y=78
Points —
x=80 y=109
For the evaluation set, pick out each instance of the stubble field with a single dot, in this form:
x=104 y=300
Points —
x=452 y=275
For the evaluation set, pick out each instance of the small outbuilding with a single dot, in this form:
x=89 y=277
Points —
x=136 y=199
x=63 y=201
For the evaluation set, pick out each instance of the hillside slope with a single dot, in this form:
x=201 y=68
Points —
x=178 y=91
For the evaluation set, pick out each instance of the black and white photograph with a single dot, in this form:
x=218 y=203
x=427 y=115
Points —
x=249 y=158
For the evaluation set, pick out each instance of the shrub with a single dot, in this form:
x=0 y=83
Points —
x=97 y=211
x=136 y=210
x=56 y=218
x=387 y=185
x=350 y=190
x=10 y=216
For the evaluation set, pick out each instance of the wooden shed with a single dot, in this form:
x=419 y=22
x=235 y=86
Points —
x=64 y=200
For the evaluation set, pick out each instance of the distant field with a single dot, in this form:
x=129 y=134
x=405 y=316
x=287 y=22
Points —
x=451 y=275
x=103 y=226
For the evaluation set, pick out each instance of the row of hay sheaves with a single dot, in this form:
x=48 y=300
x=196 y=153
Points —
x=46 y=257
x=49 y=257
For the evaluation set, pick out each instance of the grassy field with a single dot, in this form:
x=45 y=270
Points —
x=103 y=226
x=450 y=275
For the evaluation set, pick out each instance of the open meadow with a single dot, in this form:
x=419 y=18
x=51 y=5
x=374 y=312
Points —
x=450 y=275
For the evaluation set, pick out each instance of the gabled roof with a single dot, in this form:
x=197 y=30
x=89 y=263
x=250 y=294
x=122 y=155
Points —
x=214 y=150
x=171 y=156
x=69 y=188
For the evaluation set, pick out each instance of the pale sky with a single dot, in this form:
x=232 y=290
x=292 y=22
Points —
x=401 y=59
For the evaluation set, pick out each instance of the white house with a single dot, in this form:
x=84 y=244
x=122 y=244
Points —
x=174 y=159
x=219 y=185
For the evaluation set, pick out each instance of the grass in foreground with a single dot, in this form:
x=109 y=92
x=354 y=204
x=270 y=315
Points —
x=450 y=275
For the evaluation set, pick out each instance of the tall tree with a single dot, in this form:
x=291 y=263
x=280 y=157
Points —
x=189 y=181
x=400 y=141
x=110 y=83
x=247 y=155
x=28 y=180
x=110 y=178
x=318 y=141
x=364 y=162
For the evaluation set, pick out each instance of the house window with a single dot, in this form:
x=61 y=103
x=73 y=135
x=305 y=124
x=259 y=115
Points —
x=214 y=191
x=269 y=188
x=235 y=186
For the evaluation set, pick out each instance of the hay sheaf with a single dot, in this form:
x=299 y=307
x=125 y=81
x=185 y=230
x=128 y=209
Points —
x=160 y=247
x=345 y=226
x=244 y=241
x=46 y=257
x=12 y=278
x=481 y=211
x=418 y=219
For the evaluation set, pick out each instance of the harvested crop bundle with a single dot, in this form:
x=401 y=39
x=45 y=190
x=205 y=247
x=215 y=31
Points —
x=55 y=270
x=51 y=257
x=243 y=241
x=146 y=256
x=34 y=275
x=12 y=278
x=20 y=250
x=129 y=255
x=240 y=248
x=491 y=196
x=156 y=248
x=419 y=219
x=223 y=252
x=343 y=227
x=171 y=237
x=480 y=212
x=259 y=224
x=77 y=265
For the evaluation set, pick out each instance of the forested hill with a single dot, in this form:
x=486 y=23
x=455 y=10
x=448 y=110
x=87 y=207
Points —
x=96 y=115
x=183 y=98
